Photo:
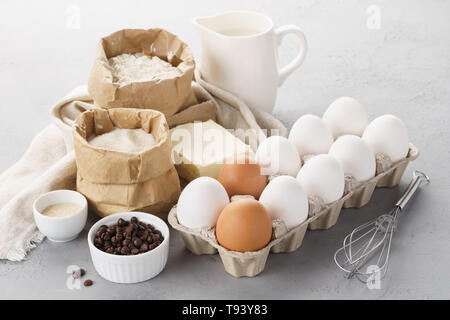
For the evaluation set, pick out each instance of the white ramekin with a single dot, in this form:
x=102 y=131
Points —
x=60 y=229
x=133 y=268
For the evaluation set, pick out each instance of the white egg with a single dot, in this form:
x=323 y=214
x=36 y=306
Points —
x=322 y=176
x=310 y=135
x=388 y=135
x=285 y=199
x=201 y=202
x=277 y=155
x=355 y=157
x=346 y=116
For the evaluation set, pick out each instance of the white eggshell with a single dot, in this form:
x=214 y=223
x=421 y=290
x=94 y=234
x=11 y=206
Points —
x=322 y=176
x=277 y=155
x=388 y=135
x=355 y=157
x=285 y=199
x=201 y=202
x=346 y=116
x=310 y=135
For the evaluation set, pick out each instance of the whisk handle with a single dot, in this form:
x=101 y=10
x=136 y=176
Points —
x=419 y=179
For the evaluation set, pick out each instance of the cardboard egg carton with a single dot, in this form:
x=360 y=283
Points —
x=250 y=264
x=238 y=264
x=358 y=197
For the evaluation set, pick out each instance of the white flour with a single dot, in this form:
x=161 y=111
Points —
x=123 y=140
x=138 y=67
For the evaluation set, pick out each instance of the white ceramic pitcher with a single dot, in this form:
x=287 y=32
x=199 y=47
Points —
x=240 y=53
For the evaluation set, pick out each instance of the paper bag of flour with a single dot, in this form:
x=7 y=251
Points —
x=117 y=181
x=165 y=94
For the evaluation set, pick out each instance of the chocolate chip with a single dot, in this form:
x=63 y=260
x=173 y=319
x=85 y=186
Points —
x=127 y=237
x=144 y=247
x=88 y=283
x=76 y=274
x=137 y=243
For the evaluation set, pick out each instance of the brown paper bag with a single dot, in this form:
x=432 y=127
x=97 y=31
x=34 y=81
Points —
x=167 y=95
x=115 y=181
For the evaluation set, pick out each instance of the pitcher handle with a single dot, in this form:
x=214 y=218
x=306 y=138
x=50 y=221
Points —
x=286 y=71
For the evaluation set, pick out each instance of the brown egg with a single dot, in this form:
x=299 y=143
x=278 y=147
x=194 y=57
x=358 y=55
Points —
x=242 y=179
x=244 y=225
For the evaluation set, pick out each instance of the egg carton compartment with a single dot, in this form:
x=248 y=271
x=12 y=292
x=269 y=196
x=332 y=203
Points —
x=328 y=216
x=196 y=244
x=240 y=264
x=357 y=198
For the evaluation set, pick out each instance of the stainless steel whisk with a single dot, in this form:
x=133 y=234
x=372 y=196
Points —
x=364 y=242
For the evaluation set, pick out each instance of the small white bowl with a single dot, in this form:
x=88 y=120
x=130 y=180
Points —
x=133 y=268
x=60 y=229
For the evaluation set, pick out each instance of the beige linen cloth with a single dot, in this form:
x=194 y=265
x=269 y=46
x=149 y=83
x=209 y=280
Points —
x=49 y=162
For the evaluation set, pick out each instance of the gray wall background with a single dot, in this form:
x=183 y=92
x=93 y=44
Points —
x=401 y=68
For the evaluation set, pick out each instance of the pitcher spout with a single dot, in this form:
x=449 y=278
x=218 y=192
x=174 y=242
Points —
x=205 y=24
x=234 y=24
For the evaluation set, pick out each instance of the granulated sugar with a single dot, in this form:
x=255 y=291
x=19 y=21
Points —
x=124 y=140
x=138 y=67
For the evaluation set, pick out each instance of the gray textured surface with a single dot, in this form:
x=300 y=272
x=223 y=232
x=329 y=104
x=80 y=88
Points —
x=402 y=68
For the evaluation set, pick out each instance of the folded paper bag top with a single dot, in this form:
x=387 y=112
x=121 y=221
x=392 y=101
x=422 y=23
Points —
x=98 y=165
x=165 y=95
